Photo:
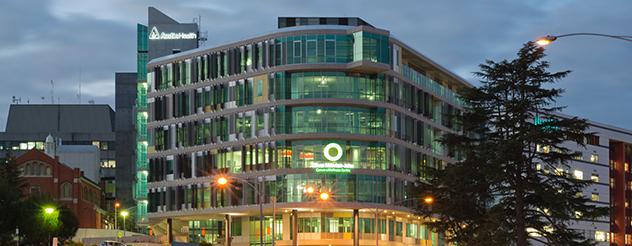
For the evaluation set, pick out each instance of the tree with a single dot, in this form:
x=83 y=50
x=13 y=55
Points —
x=26 y=213
x=10 y=200
x=509 y=186
x=39 y=227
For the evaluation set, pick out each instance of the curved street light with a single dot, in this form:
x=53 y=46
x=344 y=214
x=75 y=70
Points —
x=222 y=181
x=548 y=39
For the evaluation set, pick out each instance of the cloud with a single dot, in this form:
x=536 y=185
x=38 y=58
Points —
x=85 y=40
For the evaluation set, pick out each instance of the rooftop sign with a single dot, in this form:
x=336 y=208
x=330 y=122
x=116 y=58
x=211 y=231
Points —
x=154 y=34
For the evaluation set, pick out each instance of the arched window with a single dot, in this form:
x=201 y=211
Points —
x=25 y=169
x=31 y=169
x=48 y=171
x=66 y=191
x=41 y=170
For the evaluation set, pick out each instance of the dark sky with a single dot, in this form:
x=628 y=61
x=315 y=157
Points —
x=73 y=41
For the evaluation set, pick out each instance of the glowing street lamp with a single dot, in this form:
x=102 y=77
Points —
x=51 y=218
x=309 y=190
x=429 y=200
x=324 y=196
x=49 y=210
x=117 y=205
x=222 y=181
x=548 y=39
x=124 y=213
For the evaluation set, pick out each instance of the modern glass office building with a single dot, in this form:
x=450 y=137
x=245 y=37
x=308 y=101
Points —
x=158 y=38
x=321 y=105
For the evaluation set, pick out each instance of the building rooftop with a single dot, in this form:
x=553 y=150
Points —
x=60 y=118
x=284 y=22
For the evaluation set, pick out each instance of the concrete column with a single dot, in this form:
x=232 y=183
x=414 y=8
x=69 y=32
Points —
x=286 y=226
x=170 y=230
x=377 y=227
x=388 y=229
x=227 y=236
x=193 y=164
x=356 y=227
x=294 y=219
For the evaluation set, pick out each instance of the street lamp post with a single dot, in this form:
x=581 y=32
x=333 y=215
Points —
x=116 y=206
x=124 y=213
x=48 y=211
x=548 y=39
x=223 y=181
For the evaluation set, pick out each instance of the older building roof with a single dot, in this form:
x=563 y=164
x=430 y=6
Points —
x=60 y=118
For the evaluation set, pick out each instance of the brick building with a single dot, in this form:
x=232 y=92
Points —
x=45 y=175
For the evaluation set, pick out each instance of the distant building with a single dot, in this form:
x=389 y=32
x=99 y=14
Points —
x=84 y=157
x=28 y=125
x=125 y=91
x=604 y=161
x=160 y=37
x=46 y=176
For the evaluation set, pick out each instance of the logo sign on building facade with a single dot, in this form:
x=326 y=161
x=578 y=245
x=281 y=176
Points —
x=333 y=153
x=154 y=34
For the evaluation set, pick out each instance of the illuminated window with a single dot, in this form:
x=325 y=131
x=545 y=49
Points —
x=538 y=166
x=533 y=232
x=594 y=197
x=600 y=236
x=594 y=157
x=578 y=156
x=578 y=174
x=543 y=148
x=594 y=177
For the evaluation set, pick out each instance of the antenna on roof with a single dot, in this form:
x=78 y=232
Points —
x=52 y=92
x=16 y=100
x=202 y=36
x=79 y=95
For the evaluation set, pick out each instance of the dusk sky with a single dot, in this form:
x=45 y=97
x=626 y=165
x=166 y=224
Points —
x=85 y=41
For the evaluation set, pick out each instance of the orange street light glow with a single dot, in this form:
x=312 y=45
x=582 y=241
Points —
x=324 y=196
x=222 y=181
x=116 y=205
x=428 y=200
x=309 y=190
x=543 y=42
x=546 y=40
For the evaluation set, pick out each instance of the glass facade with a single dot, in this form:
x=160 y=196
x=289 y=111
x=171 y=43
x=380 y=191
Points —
x=371 y=47
x=141 y=165
x=329 y=85
x=363 y=136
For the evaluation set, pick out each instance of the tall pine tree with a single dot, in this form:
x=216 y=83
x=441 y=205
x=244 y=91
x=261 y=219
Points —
x=510 y=187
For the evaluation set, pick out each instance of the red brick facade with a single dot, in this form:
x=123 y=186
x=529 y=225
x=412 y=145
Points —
x=46 y=176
